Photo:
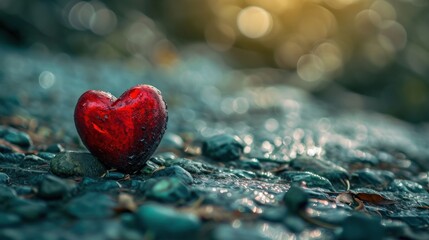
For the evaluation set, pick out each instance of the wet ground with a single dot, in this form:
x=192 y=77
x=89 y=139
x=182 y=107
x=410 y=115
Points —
x=241 y=159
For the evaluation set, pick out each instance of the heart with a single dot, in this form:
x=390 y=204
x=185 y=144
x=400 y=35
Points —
x=122 y=133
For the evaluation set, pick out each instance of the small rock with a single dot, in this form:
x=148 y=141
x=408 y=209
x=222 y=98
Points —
x=228 y=232
x=149 y=168
x=166 y=222
x=406 y=186
x=353 y=225
x=6 y=193
x=91 y=205
x=15 y=137
x=46 y=155
x=55 y=148
x=175 y=171
x=8 y=220
x=169 y=190
x=52 y=187
x=4 y=178
x=311 y=180
x=25 y=190
x=12 y=157
x=223 y=147
x=189 y=165
x=171 y=141
x=252 y=163
x=32 y=160
x=114 y=175
x=27 y=209
x=104 y=186
x=296 y=199
x=68 y=164
x=324 y=168
x=372 y=178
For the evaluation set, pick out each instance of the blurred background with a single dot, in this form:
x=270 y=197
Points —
x=371 y=54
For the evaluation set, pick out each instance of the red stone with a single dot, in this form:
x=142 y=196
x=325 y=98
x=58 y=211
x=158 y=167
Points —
x=122 y=133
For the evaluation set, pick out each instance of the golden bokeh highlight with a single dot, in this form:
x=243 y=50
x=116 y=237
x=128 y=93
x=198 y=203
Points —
x=254 y=22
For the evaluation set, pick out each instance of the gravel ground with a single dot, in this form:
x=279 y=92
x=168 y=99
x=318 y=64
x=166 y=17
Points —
x=240 y=159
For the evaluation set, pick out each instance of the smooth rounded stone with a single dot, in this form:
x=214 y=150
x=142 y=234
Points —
x=245 y=205
x=46 y=155
x=228 y=232
x=103 y=186
x=4 y=178
x=91 y=205
x=295 y=199
x=52 y=187
x=294 y=224
x=352 y=228
x=70 y=163
x=406 y=186
x=164 y=156
x=175 y=171
x=274 y=214
x=223 y=147
x=374 y=178
x=324 y=168
x=25 y=190
x=9 y=219
x=27 y=209
x=171 y=141
x=11 y=157
x=16 y=137
x=252 y=163
x=189 y=165
x=114 y=175
x=311 y=180
x=32 y=160
x=240 y=173
x=55 y=148
x=6 y=193
x=169 y=190
x=165 y=221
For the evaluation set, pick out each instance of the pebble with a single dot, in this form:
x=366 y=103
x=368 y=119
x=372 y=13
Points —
x=372 y=178
x=192 y=166
x=353 y=225
x=31 y=161
x=91 y=205
x=175 y=171
x=28 y=209
x=6 y=193
x=171 y=141
x=228 y=232
x=295 y=199
x=406 y=186
x=16 y=137
x=223 y=147
x=70 y=164
x=165 y=222
x=324 y=168
x=12 y=157
x=165 y=189
x=46 y=155
x=114 y=175
x=4 y=178
x=52 y=187
x=55 y=148
x=310 y=179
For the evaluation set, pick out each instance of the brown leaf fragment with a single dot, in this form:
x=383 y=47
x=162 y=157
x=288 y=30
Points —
x=373 y=198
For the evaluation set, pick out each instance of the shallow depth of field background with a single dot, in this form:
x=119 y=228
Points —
x=353 y=53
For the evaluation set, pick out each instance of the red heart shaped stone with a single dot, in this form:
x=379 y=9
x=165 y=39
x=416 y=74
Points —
x=122 y=133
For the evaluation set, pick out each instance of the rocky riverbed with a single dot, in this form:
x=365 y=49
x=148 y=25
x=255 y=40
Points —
x=241 y=159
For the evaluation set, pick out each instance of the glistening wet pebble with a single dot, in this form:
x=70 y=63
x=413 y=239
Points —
x=266 y=163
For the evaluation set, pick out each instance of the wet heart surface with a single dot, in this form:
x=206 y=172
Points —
x=122 y=133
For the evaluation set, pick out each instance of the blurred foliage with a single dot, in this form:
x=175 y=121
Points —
x=375 y=48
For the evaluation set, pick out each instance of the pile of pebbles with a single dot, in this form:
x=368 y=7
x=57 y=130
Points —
x=266 y=163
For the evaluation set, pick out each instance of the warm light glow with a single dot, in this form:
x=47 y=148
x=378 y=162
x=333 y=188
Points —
x=254 y=22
